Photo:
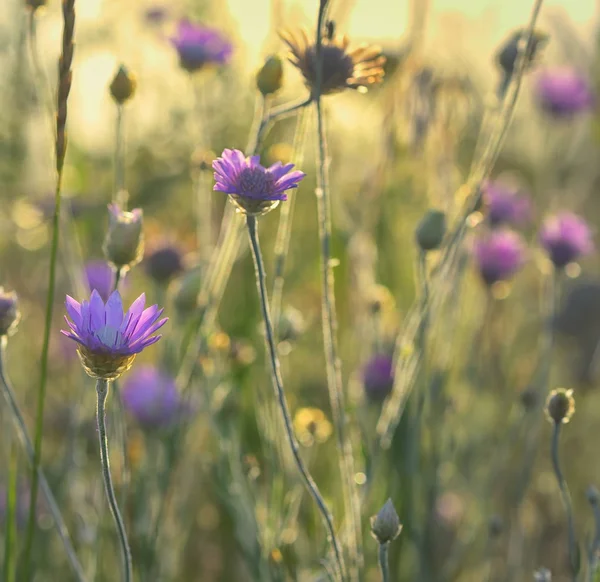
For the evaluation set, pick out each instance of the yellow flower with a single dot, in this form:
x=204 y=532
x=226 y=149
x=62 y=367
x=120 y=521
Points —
x=311 y=425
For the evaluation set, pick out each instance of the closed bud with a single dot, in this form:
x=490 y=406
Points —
x=291 y=325
x=560 y=406
x=509 y=51
x=269 y=78
x=123 y=85
x=431 y=230
x=592 y=495
x=163 y=264
x=9 y=312
x=385 y=526
x=124 y=242
x=186 y=292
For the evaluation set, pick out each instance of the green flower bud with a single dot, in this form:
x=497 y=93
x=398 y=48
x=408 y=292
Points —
x=123 y=85
x=9 y=312
x=186 y=291
x=269 y=78
x=385 y=526
x=124 y=242
x=431 y=230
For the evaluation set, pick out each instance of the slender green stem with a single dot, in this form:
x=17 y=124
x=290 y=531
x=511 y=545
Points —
x=102 y=393
x=120 y=193
x=23 y=435
x=384 y=566
x=284 y=230
x=566 y=499
x=281 y=398
x=332 y=359
x=39 y=423
x=10 y=527
x=594 y=547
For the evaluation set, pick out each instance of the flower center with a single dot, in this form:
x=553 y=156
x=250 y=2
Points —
x=255 y=183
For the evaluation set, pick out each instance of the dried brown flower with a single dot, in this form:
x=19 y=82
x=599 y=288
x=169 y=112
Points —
x=357 y=68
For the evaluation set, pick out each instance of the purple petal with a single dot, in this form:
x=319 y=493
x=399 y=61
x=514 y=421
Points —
x=74 y=310
x=133 y=315
x=253 y=161
x=142 y=335
x=114 y=310
x=72 y=336
x=278 y=170
x=97 y=311
x=289 y=181
x=148 y=317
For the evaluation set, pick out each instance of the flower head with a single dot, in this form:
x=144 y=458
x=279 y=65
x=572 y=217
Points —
x=150 y=396
x=9 y=312
x=342 y=68
x=563 y=92
x=499 y=255
x=164 y=263
x=378 y=377
x=199 y=46
x=124 y=242
x=100 y=276
x=109 y=339
x=431 y=230
x=269 y=78
x=385 y=526
x=123 y=85
x=252 y=188
x=560 y=406
x=566 y=237
x=505 y=204
x=509 y=51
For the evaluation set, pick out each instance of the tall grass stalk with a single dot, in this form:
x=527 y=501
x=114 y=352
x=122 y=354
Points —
x=102 y=387
x=23 y=436
x=282 y=401
x=64 y=87
x=330 y=324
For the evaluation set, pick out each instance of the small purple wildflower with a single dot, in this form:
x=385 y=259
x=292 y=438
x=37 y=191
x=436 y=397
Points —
x=499 y=255
x=253 y=188
x=109 y=339
x=164 y=263
x=200 y=46
x=563 y=92
x=506 y=204
x=566 y=237
x=150 y=396
x=100 y=276
x=378 y=377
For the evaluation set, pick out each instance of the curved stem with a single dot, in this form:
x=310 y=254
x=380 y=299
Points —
x=332 y=359
x=23 y=435
x=120 y=194
x=566 y=499
x=281 y=399
x=102 y=393
x=384 y=566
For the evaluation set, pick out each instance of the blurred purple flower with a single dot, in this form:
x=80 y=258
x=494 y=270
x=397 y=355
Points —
x=499 y=255
x=566 y=237
x=506 y=204
x=108 y=339
x=563 y=92
x=378 y=377
x=100 y=276
x=250 y=184
x=164 y=263
x=199 y=46
x=150 y=396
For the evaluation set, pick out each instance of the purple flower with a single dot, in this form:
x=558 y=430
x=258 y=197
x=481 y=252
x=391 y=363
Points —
x=100 y=276
x=563 y=92
x=566 y=237
x=505 y=204
x=199 y=46
x=499 y=255
x=109 y=339
x=378 y=377
x=252 y=187
x=150 y=396
x=164 y=263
